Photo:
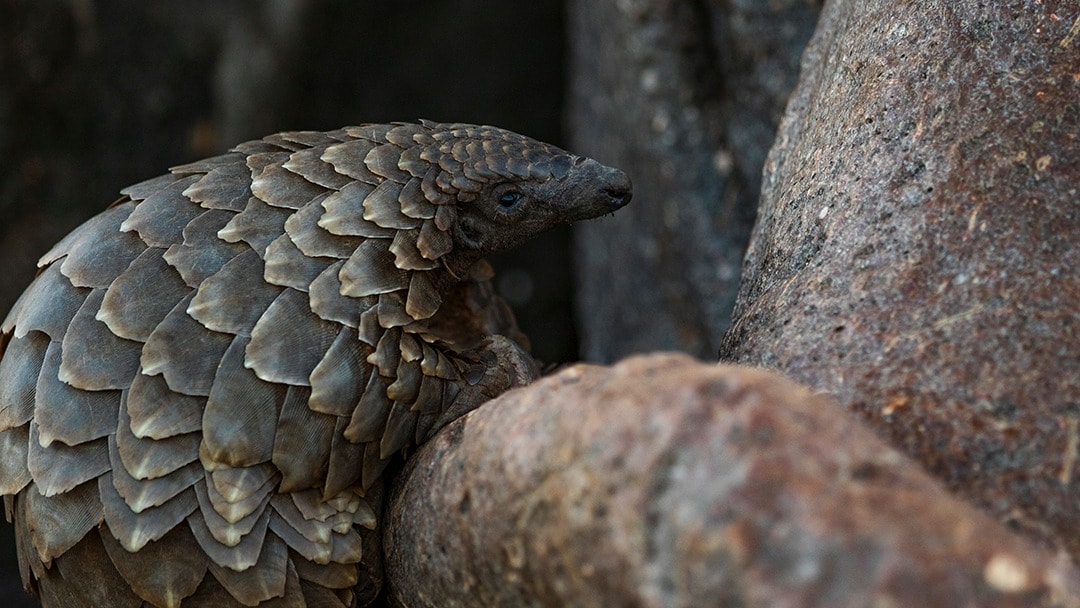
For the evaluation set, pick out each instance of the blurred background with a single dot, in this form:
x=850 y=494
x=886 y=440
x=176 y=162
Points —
x=683 y=95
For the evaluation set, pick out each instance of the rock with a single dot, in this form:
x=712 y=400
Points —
x=662 y=481
x=917 y=245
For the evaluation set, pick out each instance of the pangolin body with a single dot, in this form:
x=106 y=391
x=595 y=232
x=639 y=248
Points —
x=200 y=390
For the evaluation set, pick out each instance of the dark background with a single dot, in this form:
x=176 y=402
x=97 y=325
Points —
x=98 y=95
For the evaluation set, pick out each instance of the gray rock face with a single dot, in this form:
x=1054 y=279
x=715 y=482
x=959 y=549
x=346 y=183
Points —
x=917 y=244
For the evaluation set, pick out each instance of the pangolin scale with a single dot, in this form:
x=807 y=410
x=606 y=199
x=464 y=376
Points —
x=202 y=387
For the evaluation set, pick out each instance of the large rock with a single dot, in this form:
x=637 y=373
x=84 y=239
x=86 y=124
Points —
x=666 y=482
x=918 y=241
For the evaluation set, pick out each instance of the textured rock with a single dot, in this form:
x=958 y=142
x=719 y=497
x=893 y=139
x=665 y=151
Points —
x=918 y=240
x=666 y=482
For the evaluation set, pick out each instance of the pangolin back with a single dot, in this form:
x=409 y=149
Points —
x=202 y=387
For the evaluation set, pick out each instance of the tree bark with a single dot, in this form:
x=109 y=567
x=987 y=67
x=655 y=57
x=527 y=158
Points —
x=918 y=239
x=666 y=482
x=685 y=97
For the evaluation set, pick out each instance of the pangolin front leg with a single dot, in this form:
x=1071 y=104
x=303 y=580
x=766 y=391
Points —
x=200 y=390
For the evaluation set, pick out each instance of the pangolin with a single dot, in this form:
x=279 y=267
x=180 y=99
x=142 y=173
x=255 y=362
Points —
x=201 y=388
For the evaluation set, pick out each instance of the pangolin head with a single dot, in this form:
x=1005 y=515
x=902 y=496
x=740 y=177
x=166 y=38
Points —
x=509 y=187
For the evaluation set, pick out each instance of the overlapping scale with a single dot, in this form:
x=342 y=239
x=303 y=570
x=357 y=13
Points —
x=226 y=187
x=145 y=458
x=344 y=213
x=371 y=271
x=348 y=159
x=407 y=254
x=238 y=484
x=432 y=192
x=14 y=473
x=308 y=164
x=245 y=499
x=228 y=533
x=257 y=225
x=289 y=340
x=143 y=494
x=346 y=461
x=382 y=208
x=330 y=576
x=88 y=561
x=58 y=522
x=141 y=296
x=445 y=217
x=338 y=381
x=233 y=299
x=314 y=139
x=47 y=305
x=264 y=580
x=287 y=266
x=411 y=162
x=206 y=165
x=279 y=187
x=97 y=252
x=374 y=465
x=424 y=297
x=314 y=240
x=238 y=557
x=160 y=219
x=392 y=311
x=202 y=253
x=134 y=530
x=60 y=467
x=372 y=132
x=164 y=572
x=149 y=187
x=382 y=160
x=20 y=367
x=302 y=442
x=66 y=414
x=327 y=301
x=369 y=418
x=241 y=412
x=184 y=352
x=400 y=430
x=93 y=357
x=157 y=412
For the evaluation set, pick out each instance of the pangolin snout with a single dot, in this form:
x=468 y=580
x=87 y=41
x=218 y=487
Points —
x=593 y=190
x=618 y=190
x=615 y=188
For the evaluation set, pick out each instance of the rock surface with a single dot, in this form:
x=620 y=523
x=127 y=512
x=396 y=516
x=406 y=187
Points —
x=662 y=481
x=918 y=239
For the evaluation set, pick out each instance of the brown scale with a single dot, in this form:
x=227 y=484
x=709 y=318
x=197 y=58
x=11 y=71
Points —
x=201 y=389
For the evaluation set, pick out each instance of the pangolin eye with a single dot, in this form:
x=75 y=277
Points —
x=510 y=199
